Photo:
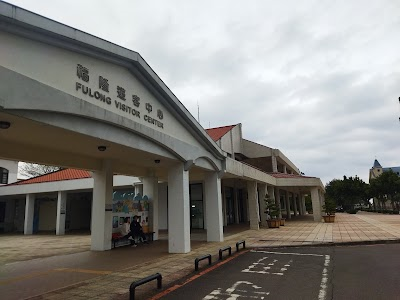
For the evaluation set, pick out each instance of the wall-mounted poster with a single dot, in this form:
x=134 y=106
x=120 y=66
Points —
x=115 y=222
x=127 y=204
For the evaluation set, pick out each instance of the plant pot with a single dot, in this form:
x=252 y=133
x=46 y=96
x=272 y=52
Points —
x=329 y=219
x=274 y=223
x=282 y=223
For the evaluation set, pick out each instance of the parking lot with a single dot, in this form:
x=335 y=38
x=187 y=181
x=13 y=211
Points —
x=339 y=272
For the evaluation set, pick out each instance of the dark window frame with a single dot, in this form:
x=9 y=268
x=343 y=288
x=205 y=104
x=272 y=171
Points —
x=4 y=175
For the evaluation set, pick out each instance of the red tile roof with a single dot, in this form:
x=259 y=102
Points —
x=66 y=174
x=284 y=175
x=218 y=132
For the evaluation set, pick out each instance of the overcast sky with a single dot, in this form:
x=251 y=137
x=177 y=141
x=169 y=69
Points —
x=319 y=80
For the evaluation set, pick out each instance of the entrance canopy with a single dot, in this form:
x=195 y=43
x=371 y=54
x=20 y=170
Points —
x=72 y=100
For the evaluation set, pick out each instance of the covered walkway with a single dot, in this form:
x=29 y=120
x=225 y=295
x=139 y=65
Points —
x=107 y=275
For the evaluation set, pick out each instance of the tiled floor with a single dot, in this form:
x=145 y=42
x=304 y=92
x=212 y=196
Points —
x=114 y=284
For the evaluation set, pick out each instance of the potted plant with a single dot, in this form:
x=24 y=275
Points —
x=272 y=212
x=330 y=209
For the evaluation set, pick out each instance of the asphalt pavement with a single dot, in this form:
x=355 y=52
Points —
x=336 y=272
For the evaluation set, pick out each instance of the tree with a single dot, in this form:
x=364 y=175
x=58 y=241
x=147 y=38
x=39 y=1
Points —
x=386 y=187
x=271 y=209
x=348 y=191
x=32 y=170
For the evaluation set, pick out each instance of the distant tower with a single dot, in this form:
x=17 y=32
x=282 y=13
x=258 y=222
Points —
x=376 y=170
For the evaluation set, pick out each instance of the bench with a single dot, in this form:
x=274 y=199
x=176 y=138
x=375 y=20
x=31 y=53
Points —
x=117 y=238
x=149 y=236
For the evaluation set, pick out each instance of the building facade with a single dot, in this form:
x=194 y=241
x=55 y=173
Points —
x=375 y=172
x=73 y=100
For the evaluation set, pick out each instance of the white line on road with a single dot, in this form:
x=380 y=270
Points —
x=284 y=253
x=324 y=280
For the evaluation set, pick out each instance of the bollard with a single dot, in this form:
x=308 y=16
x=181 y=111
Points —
x=243 y=242
x=143 y=281
x=224 y=249
x=196 y=261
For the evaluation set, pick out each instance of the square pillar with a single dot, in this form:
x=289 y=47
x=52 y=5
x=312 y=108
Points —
x=224 y=218
x=138 y=188
x=301 y=212
x=150 y=189
x=274 y=163
x=262 y=191
x=253 y=204
x=236 y=204
x=178 y=210
x=102 y=208
x=29 y=213
x=316 y=204
x=287 y=201
x=278 y=198
x=61 y=212
x=295 y=204
x=212 y=185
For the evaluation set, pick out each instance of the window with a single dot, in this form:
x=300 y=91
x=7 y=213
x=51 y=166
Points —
x=3 y=176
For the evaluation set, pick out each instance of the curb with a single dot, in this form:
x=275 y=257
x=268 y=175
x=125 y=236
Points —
x=335 y=244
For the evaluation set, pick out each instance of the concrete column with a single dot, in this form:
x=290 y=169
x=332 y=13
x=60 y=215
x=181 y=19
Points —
x=278 y=197
x=246 y=204
x=301 y=212
x=138 y=189
x=224 y=218
x=213 y=208
x=287 y=201
x=253 y=204
x=150 y=189
x=303 y=200
x=316 y=204
x=295 y=204
x=178 y=210
x=61 y=212
x=262 y=191
x=236 y=204
x=102 y=207
x=274 y=164
x=29 y=212
x=271 y=193
x=284 y=169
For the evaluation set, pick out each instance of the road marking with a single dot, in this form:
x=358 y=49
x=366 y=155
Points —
x=260 y=268
x=234 y=293
x=284 y=253
x=177 y=286
x=324 y=279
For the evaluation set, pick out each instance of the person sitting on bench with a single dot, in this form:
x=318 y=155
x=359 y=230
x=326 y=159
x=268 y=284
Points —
x=136 y=230
x=125 y=229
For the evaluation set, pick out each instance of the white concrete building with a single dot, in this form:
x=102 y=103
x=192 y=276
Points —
x=73 y=100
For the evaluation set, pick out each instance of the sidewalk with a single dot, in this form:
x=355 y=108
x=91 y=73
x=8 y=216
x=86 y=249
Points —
x=110 y=273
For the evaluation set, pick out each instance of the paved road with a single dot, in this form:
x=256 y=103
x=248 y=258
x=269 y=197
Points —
x=352 y=272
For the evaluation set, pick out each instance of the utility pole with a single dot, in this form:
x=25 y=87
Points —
x=198 y=112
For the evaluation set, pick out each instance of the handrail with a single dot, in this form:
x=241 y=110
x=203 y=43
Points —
x=196 y=261
x=243 y=242
x=143 y=281
x=224 y=249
